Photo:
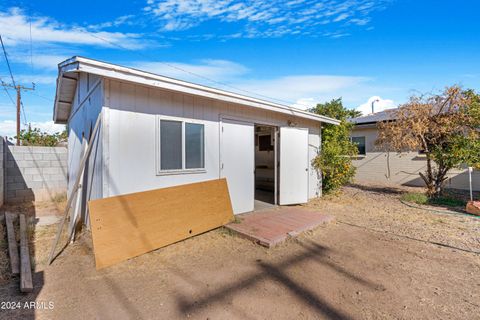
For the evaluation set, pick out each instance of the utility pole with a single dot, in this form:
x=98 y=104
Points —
x=19 y=89
x=373 y=105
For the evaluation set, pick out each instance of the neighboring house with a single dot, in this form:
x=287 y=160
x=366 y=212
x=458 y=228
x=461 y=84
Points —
x=375 y=166
x=158 y=132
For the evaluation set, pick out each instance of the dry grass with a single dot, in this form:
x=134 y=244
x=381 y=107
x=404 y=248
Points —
x=5 y=274
x=380 y=208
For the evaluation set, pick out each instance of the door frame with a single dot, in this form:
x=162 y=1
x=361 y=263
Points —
x=223 y=116
x=276 y=158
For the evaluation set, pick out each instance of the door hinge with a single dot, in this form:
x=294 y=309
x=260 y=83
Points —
x=222 y=166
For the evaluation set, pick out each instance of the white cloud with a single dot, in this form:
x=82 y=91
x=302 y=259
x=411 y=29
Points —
x=264 y=18
x=301 y=91
x=8 y=128
x=379 y=105
x=16 y=29
x=305 y=103
x=210 y=68
x=36 y=78
x=41 y=61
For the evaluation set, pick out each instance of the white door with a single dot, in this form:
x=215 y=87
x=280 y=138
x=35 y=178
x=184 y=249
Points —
x=293 y=165
x=237 y=163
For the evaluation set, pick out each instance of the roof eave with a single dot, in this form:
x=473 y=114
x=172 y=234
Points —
x=80 y=64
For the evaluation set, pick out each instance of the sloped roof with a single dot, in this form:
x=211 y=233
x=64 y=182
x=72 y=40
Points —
x=374 y=117
x=69 y=69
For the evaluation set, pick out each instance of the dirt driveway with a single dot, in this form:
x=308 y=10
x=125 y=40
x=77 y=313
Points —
x=338 y=271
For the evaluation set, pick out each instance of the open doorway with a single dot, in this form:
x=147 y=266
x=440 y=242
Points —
x=265 y=171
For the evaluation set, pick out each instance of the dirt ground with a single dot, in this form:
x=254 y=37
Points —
x=376 y=262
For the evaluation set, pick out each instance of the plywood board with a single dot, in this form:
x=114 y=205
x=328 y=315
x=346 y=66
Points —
x=130 y=225
x=12 y=243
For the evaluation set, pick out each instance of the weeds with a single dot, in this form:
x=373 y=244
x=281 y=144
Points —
x=415 y=197
x=421 y=198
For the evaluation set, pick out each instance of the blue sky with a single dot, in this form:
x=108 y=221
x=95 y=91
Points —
x=297 y=51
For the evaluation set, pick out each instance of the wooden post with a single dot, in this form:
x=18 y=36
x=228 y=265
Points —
x=75 y=188
x=18 y=114
x=19 y=89
x=12 y=243
x=26 y=283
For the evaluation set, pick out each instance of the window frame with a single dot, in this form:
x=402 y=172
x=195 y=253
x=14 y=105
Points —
x=365 y=146
x=158 y=147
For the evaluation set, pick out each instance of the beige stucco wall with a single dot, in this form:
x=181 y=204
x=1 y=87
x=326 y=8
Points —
x=403 y=169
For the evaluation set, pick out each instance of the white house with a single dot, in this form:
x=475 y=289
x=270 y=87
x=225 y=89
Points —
x=158 y=132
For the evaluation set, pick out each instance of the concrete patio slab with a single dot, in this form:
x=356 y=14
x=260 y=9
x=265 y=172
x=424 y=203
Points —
x=271 y=227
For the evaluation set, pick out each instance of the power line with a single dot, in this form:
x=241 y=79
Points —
x=195 y=74
x=8 y=93
x=13 y=80
x=43 y=97
x=6 y=59
x=31 y=42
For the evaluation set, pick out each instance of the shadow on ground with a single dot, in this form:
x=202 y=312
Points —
x=378 y=189
x=278 y=273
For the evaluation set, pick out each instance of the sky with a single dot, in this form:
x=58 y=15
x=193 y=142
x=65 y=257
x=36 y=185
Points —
x=295 y=52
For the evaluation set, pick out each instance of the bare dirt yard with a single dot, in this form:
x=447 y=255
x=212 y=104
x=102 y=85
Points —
x=379 y=260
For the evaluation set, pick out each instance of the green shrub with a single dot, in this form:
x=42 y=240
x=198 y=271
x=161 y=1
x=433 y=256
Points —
x=334 y=160
x=448 y=202
x=415 y=197
x=421 y=198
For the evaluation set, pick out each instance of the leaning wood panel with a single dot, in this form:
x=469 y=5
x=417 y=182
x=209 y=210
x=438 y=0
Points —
x=12 y=243
x=130 y=225
x=26 y=284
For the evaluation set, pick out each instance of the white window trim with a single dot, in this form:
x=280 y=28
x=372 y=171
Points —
x=184 y=170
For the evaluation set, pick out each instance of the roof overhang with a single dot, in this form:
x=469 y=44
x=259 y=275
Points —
x=68 y=74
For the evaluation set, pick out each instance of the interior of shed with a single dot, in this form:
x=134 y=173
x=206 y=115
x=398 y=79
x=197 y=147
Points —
x=264 y=166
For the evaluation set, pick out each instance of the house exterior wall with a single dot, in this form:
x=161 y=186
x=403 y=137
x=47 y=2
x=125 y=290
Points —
x=131 y=115
x=86 y=108
x=403 y=169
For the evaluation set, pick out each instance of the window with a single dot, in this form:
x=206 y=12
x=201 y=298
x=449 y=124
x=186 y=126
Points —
x=194 y=157
x=265 y=143
x=170 y=145
x=360 y=142
x=181 y=146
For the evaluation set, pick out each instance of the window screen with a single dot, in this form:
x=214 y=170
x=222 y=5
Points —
x=170 y=145
x=194 y=146
x=360 y=142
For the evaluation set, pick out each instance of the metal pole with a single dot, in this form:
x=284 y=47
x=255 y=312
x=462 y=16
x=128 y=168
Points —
x=470 y=170
x=18 y=114
x=373 y=105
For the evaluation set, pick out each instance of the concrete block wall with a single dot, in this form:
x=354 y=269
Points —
x=34 y=173
x=394 y=169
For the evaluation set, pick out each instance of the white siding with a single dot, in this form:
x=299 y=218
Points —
x=86 y=108
x=402 y=169
x=131 y=121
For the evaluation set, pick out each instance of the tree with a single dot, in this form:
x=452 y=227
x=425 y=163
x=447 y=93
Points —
x=35 y=137
x=335 y=159
x=445 y=127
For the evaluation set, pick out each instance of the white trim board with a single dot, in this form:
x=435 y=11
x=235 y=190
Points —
x=79 y=64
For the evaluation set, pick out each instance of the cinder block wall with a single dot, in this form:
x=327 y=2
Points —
x=381 y=167
x=34 y=173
